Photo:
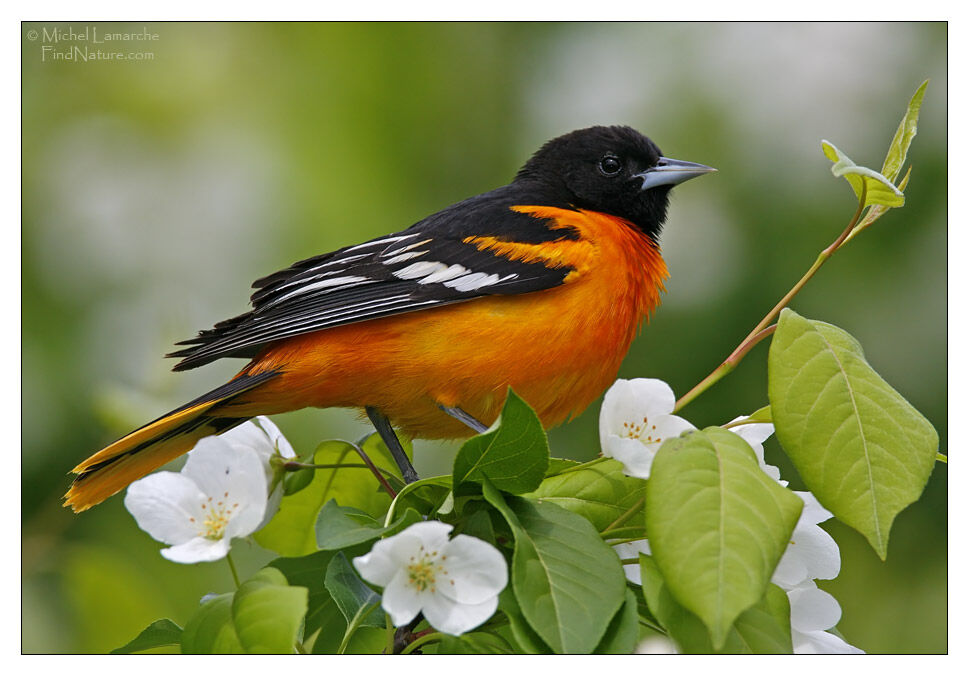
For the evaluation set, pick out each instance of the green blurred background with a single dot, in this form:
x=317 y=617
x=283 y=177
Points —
x=155 y=191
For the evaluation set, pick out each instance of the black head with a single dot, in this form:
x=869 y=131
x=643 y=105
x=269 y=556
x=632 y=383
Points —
x=616 y=170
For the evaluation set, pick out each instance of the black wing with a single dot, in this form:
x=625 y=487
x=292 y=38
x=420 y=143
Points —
x=425 y=266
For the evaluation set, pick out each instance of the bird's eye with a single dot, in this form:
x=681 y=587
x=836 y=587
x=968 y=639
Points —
x=611 y=165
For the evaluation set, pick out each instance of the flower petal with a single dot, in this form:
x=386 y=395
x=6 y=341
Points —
x=753 y=433
x=216 y=466
x=655 y=395
x=632 y=549
x=231 y=475
x=657 y=644
x=197 y=550
x=813 y=609
x=273 y=502
x=629 y=401
x=812 y=553
x=402 y=601
x=816 y=550
x=474 y=570
x=249 y=436
x=813 y=511
x=165 y=504
x=774 y=473
x=821 y=643
x=276 y=438
x=247 y=517
x=670 y=426
x=636 y=457
x=430 y=536
x=455 y=618
x=376 y=566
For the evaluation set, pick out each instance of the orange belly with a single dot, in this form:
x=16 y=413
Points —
x=559 y=349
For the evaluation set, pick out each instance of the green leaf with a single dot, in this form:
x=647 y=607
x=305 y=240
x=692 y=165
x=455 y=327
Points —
x=879 y=189
x=904 y=135
x=569 y=584
x=621 y=635
x=717 y=525
x=352 y=595
x=267 y=613
x=425 y=495
x=513 y=454
x=861 y=448
x=763 y=628
x=473 y=643
x=310 y=572
x=367 y=641
x=298 y=480
x=558 y=465
x=479 y=525
x=763 y=415
x=600 y=493
x=686 y=629
x=339 y=527
x=160 y=633
x=523 y=634
x=322 y=612
x=211 y=630
x=291 y=532
x=895 y=158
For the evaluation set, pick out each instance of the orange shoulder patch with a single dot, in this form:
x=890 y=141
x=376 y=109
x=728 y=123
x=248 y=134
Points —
x=564 y=253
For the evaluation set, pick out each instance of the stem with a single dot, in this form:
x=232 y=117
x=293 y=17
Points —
x=354 y=624
x=291 y=466
x=388 y=634
x=583 y=466
x=656 y=628
x=375 y=471
x=726 y=367
x=232 y=568
x=627 y=515
x=743 y=421
x=632 y=539
x=504 y=642
x=636 y=533
x=421 y=641
x=408 y=488
x=762 y=329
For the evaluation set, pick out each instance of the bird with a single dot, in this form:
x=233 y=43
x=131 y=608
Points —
x=539 y=285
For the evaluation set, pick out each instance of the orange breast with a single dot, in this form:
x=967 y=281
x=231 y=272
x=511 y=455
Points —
x=559 y=348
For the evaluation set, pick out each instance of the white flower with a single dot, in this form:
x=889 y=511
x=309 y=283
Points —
x=656 y=644
x=812 y=553
x=635 y=420
x=814 y=611
x=220 y=494
x=755 y=434
x=263 y=437
x=454 y=583
x=628 y=551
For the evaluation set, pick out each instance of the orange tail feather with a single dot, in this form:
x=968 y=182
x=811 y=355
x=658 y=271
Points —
x=135 y=455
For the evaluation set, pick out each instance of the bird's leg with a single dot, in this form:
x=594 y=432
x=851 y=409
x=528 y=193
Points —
x=387 y=434
x=465 y=418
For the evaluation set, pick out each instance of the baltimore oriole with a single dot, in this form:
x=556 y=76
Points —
x=540 y=285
